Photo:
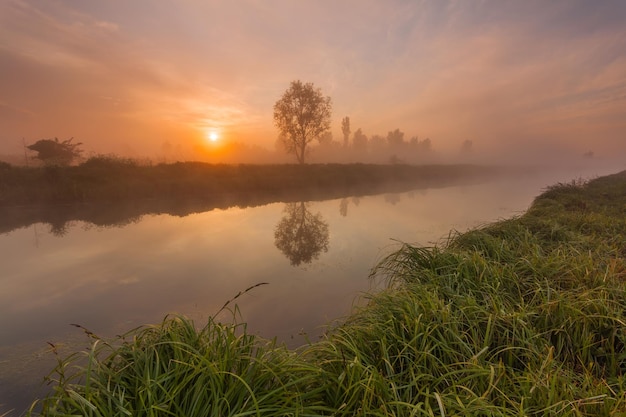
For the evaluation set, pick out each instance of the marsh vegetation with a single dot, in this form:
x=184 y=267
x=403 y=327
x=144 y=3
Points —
x=521 y=317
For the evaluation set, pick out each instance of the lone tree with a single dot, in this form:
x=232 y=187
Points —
x=345 y=129
x=301 y=115
x=53 y=152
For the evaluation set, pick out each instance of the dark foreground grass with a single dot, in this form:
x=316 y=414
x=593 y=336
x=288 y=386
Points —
x=524 y=317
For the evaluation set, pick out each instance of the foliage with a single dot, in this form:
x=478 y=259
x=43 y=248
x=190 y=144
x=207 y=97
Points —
x=301 y=115
x=53 y=152
x=109 y=162
x=395 y=138
x=359 y=141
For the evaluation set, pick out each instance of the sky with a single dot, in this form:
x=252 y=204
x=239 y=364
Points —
x=144 y=77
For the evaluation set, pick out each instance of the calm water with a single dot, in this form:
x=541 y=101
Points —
x=316 y=257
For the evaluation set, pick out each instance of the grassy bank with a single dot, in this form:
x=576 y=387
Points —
x=524 y=317
x=102 y=180
x=117 y=192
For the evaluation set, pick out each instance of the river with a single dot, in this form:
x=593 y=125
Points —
x=313 y=259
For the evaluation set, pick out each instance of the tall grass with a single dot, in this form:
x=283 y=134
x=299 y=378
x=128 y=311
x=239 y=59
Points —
x=177 y=369
x=524 y=317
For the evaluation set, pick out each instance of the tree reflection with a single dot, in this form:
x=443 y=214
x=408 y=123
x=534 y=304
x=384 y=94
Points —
x=392 y=199
x=301 y=235
x=343 y=205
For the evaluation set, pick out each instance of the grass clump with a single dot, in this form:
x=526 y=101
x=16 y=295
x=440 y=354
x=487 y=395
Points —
x=177 y=369
x=524 y=317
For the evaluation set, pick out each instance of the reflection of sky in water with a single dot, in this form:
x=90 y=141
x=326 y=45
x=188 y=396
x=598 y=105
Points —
x=111 y=280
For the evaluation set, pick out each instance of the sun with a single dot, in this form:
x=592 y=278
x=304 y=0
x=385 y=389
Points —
x=212 y=135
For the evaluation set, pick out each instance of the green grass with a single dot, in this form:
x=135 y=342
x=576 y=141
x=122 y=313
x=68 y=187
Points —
x=175 y=369
x=524 y=317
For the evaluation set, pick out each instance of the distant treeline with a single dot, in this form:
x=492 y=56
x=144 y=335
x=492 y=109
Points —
x=393 y=148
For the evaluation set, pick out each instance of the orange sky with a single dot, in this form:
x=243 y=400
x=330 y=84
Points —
x=140 y=77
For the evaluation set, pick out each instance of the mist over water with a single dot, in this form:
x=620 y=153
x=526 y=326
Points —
x=112 y=279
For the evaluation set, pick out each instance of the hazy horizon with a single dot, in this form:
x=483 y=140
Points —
x=520 y=80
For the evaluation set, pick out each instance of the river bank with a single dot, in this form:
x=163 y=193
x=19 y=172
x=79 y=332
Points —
x=107 y=191
x=522 y=317
x=106 y=180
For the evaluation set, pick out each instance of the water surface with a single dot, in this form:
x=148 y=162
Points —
x=315 y=257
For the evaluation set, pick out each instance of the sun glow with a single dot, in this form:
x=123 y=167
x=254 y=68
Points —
x=212 y=135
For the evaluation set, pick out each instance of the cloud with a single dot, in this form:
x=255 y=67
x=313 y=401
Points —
x=504 y=78
x=108 y=26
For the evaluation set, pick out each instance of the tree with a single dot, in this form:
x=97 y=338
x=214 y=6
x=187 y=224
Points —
x=359 y=141
x=420 y=145
x=301 y=115
x=345 y=129
x=395 y=138
x=377 y=145
x=326 y=139
x=53 y=152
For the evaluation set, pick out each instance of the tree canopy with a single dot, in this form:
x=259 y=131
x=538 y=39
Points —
x=301 y=115
x=53 y=152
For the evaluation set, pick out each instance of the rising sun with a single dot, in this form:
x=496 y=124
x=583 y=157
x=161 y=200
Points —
x=212 y=135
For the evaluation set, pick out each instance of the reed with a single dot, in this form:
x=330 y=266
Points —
x=523 y=317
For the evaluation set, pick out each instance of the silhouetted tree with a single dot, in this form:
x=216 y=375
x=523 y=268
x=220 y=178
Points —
x=326 y=139
x=53 y=152
x=395 y=138
x=378 y=145
x=301 y=235
x=421 y=146
x=301 y=115
x=359 y=141
x=345 y=129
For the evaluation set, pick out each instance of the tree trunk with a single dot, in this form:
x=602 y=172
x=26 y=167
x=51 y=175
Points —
x=300 y=154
